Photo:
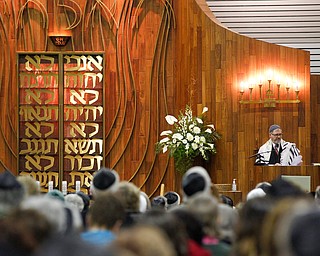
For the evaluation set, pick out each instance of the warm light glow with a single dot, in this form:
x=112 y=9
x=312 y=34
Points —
x=270 y=74
x=288 y=82
x=242 y=85
x=267 y=89
x=251 y=83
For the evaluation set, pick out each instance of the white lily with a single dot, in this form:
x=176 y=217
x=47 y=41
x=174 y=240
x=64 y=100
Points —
x=208 y=130
x=177 y=136
x=164 y=150
x=164 y=140
x=165 y=133
x=171 y=119
x=204 y=110
x=199 y=120
x=211 y=126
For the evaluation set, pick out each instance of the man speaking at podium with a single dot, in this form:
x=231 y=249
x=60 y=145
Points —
x=276 y=151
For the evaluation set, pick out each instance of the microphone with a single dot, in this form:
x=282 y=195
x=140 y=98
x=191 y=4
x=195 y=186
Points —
x=259 y=154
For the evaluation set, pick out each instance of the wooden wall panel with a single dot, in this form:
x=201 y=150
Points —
x=158 y=59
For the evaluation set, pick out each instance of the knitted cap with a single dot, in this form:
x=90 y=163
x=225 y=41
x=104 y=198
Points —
x=273 y=127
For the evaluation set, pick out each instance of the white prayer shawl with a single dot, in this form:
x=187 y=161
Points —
x=290 y=154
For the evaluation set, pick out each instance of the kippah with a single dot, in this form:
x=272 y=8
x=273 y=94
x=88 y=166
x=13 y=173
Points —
x=172 y=197
x=273 y=127
x=193 y=183
x=9 y=181
x=103 y=179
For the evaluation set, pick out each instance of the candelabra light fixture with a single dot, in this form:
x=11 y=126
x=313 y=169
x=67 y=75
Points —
x=271 y=95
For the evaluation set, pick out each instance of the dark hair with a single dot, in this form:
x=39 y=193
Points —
x=106 y=210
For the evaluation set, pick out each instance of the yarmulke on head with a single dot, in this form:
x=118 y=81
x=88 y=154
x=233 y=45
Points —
x=105 y=179
x=11 y=192
x=274 y=127
x=195 y=180
x=173 y=199
x=8 y=181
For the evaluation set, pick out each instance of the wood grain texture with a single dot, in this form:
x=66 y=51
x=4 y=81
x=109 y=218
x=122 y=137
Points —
x=160 y=56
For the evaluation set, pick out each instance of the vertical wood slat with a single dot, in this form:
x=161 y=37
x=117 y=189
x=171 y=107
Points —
x=200 y=49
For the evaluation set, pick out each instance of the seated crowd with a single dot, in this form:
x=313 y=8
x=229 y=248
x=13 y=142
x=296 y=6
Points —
x=119 y=219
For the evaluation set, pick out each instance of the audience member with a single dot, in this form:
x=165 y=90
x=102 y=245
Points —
x=227 y=221
x=71 y=246
x=129 y=195
x=194 y=230
x=264 y=185
x=173 y=199
x=30 y=185
x=274 y=238
x=104 y=219
x=205 y=208
x=57 y=194
x=86 y=204
x=249 y=228
x=145 y=203
x=75 y=200
x=172 y=227
x=60 y=216
x=159 y=202
x=144 y=240
x=104 y=180
x=11 y=192
x=303 y=235
x=256 y=192
x=195 y=181
x=23 y=231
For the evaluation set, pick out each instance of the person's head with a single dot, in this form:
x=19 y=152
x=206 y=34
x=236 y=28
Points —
x=75 y=200
x=11 y=192
x=275 y=133
x=52 y=208
x=170 y=224
x=30 y=185
x=144 y=240
x=145 y=203
x=226 y=222
x=107 y=212
x=23 y=231
x=173 y=199
x=205 y=207
x=129 y=195
x=104 y=180
x=195 y=181
x=159 y=202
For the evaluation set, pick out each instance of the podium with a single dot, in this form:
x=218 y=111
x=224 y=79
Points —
x=270 y=173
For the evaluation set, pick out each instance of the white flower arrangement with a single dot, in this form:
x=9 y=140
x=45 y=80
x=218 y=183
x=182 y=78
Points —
x=189 y=138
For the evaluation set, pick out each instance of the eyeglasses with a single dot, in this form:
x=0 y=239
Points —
x=277 y=134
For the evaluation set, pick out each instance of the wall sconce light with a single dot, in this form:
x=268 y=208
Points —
x=270 y=99
x=60 y=40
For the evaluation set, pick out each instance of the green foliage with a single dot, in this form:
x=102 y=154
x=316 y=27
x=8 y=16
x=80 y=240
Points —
x=190 y=137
